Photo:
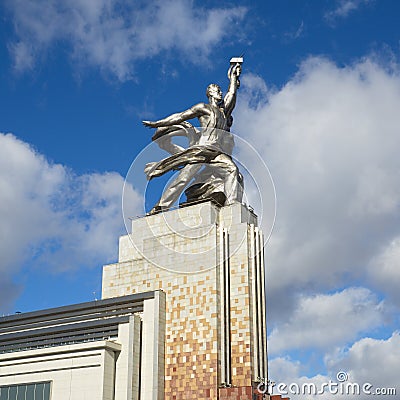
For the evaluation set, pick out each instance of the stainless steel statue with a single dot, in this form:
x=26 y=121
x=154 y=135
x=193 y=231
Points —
x=207 y=161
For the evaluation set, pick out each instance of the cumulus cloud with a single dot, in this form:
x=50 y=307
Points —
x=324 y=320
x=384 y=270
x=330 y=138
x=53 y=218
x=289 y=380
x=284 y=369
x=368 y=361
x=113 y=35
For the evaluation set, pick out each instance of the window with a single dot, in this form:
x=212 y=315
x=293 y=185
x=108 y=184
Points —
x=29 y=391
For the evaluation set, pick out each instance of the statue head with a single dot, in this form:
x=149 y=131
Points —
x=214 y=91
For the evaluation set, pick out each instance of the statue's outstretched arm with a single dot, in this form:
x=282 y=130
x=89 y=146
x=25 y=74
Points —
x=174 y=119
x=230 y=97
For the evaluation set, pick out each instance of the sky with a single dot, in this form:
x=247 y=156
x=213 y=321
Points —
x=319 y=101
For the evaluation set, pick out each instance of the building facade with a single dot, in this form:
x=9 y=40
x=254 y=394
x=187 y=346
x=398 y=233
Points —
x=107 y=350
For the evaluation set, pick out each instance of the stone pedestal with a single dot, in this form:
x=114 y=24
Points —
x=209 y=262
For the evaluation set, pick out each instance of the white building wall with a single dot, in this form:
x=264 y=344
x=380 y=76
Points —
x=127 y=366
x=79 y=372
x=153 y=350
x=115 y=369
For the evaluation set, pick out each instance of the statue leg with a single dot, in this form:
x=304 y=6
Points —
x=176 y=187
x=230 y=173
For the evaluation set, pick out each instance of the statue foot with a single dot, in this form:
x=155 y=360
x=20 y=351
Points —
x=157 y=209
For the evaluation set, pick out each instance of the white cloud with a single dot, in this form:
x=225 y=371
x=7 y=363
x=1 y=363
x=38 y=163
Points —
x=284 y=369
x=330 y=138
x=293 y=35
x=344 y=8
x=289 y=380
x=52 y=218
x=324 y=320
x=384 y=270
x=113 y=36
x=368 y=360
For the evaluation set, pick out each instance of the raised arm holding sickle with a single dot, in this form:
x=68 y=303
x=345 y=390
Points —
x=212 y=146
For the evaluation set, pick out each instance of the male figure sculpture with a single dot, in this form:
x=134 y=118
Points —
x=212 y=146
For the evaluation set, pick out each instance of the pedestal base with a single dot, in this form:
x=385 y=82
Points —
x=208 y=260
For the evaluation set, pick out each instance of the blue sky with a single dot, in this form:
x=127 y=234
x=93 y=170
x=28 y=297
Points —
x=319 y=99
